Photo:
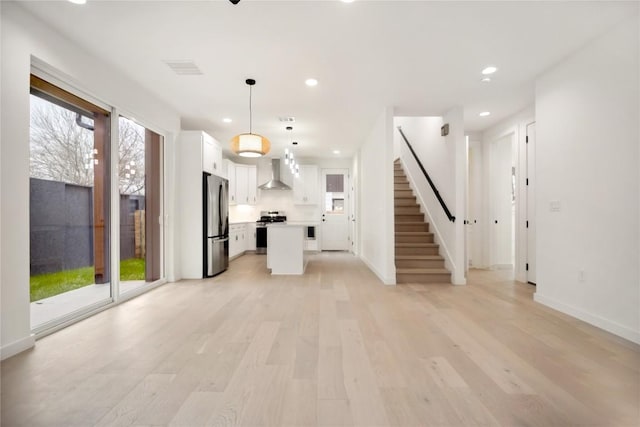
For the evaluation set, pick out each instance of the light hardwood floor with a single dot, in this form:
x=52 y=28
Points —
x=334 y=347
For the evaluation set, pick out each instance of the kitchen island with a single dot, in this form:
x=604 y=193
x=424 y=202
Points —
x=285 y=248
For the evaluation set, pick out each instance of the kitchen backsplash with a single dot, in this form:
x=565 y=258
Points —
x=274 y=200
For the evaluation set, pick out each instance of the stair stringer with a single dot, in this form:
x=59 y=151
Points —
x=443 y=250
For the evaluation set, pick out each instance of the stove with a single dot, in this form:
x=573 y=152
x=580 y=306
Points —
x=266 y=217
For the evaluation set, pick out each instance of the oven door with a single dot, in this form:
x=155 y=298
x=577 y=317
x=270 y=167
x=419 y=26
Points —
x=261 y=239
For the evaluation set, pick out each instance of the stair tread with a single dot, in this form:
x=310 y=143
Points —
x=413 y=222
x=419 y=257
x=415 y=245
x=422 y=271
x=413 y=233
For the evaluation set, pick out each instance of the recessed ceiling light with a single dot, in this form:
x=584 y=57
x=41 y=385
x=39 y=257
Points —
x=489 y=70
x=347 y=1
x=484 y=114
x=336 y=151
x=311 y=82
x=78 y=1
x=485 y=79
x=227 y=120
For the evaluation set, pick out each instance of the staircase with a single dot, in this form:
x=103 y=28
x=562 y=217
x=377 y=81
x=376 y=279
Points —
x=417 y=258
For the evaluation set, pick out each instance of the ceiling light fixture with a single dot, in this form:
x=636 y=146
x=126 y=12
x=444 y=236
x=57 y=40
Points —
x=311 y=82
x=227 y=120
x=486 y=79
x=336 y=151
x=78 y=1
x=250 y=144
x=489 y=70
x=484 y=114
x=347 y=1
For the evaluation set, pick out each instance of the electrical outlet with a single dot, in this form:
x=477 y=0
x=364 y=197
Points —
x=581 y=276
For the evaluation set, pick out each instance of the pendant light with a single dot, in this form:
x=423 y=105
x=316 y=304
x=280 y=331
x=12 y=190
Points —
x=250 y=144
x=289 y=159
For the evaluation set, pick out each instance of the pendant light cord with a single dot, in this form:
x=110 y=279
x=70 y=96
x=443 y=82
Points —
x=250 y=112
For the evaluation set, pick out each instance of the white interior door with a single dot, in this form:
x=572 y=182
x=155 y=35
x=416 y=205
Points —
x=531 y=203
x=335 y=210
x=503 y=203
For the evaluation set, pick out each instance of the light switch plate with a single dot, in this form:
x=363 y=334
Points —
x=554 y=206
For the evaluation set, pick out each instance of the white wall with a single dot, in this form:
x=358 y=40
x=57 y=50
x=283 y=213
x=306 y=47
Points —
x=587 y=159
x=23 y=37
x=515 y=127
x=376 y=227
x=444 y=159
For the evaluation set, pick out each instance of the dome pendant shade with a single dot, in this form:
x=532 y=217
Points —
x=250 y=145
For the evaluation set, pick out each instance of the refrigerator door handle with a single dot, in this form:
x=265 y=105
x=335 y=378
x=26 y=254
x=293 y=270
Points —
x=218 y=239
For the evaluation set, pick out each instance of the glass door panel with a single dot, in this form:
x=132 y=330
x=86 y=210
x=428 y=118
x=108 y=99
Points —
x=69 y=205
x=140 y=186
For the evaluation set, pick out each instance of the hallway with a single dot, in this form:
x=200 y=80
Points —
x=332 y=347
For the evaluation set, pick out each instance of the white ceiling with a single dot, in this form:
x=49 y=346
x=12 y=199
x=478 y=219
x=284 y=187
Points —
x=420 y=57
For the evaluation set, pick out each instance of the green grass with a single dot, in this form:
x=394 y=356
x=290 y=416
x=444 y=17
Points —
x=50 y=284
x=132 y=269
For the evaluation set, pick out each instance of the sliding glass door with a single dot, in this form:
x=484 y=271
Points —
x=71 y=199
x=69 y=205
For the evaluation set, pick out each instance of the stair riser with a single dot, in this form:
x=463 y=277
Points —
x=419 y=263
x=417 y=251
x=412 y=227
x=409 y=218
x=415 y=239
x=423 y=278
x=407 y=210
x=401 y=187
x=401 y=194
x=405 y=202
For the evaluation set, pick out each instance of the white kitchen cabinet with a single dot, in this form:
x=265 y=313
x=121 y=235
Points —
x=211 y=155
x=250 y=241
x=252 y=185
x=305 y=187
x=231 y=176
x=197 y=152
x=243 y=184
x=237 y=240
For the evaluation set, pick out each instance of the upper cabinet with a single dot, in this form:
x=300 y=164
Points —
x=204 y=152
x=231 y=175
x=211 y=155
x=305 y=187
x=243 y=183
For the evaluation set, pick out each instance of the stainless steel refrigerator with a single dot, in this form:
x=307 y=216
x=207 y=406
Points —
x=216 y=224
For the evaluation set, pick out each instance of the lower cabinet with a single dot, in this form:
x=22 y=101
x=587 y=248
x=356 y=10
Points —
x=250 y=234
x=242 y=238
x=236 y=240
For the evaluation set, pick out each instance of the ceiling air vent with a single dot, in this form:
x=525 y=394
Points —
x=184 y=68
x=287 y=119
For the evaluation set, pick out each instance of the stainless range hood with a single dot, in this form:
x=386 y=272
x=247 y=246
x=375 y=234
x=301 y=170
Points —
x=275 y=183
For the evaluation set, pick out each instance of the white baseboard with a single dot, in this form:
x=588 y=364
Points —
x=600 y=322
x=385 y=280
x=16 y=347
